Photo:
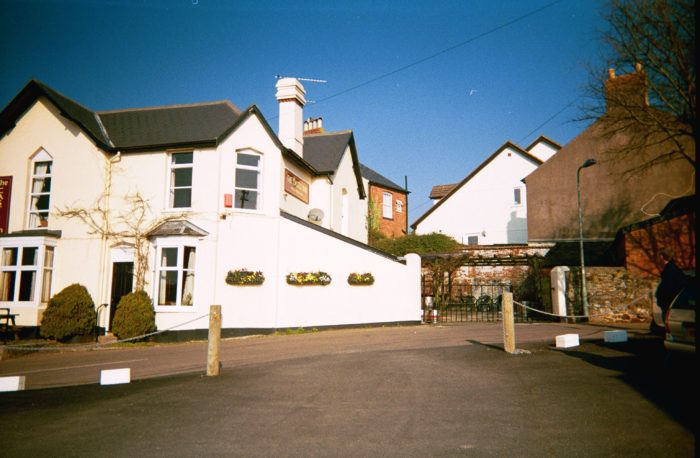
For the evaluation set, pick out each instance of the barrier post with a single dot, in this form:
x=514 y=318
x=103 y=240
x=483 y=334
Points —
x=508 y=323
x=213 y=363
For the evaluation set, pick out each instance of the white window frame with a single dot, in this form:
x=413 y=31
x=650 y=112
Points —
x=387 y=205
x=32 y=213
x=171 y=184
x=259 y=169
x=43 y=272
x=183 y=272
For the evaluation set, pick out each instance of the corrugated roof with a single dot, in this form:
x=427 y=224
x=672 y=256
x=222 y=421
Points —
x=378 y=179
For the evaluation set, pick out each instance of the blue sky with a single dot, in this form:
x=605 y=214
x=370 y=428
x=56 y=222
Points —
x=430 y=88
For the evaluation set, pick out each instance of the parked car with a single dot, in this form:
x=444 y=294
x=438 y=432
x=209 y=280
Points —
x=680 y=321
x=658 y=320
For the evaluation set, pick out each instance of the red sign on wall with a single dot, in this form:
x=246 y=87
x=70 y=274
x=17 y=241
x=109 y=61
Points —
x=5 y=191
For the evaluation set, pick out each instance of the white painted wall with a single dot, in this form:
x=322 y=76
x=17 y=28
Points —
x=485 y=206
x=543 y=150
x=345 y=179
x=78 y=169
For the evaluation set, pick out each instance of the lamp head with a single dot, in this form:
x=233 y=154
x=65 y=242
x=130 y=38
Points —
x=588 y=163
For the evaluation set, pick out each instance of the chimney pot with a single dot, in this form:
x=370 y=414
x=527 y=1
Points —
x=611 y=73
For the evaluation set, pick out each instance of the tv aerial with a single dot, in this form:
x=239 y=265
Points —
x=309 y=80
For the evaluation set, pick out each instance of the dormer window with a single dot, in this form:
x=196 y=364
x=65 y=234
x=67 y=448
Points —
x=40 y=191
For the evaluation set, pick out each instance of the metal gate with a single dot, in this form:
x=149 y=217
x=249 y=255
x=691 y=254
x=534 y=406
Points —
x=475 y=302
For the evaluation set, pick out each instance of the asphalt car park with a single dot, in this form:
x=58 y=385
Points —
x=422 y=391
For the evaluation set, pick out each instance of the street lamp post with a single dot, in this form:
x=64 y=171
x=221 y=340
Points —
x=584 y=294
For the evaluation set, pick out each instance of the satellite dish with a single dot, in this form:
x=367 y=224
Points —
x=315 y=215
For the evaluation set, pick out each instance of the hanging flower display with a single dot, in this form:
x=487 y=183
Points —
x=308 y=278
x=243 y=277
x=360 y=279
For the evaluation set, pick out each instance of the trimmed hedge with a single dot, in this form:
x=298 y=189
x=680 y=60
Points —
x=70 y=313
x=134 y=316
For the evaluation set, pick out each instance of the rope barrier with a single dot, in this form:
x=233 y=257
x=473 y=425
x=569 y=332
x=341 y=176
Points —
x=104 y=344
x=569 y=316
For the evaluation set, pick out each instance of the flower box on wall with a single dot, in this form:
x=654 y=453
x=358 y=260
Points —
x=243 y=277
x=308 y=279
x=361 y=279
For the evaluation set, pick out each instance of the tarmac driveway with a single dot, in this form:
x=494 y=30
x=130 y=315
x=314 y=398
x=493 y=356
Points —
x=413 y=391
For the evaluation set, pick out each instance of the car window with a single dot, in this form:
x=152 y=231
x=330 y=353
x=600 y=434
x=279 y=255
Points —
x=685 y=299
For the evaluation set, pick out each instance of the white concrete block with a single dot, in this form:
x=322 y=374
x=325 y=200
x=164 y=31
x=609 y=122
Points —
x=13 y=383
x=567 y=340
x=115 y=376
x=619 y=335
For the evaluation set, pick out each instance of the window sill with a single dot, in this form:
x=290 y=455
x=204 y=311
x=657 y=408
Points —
x=175 y=308
x=177 y=210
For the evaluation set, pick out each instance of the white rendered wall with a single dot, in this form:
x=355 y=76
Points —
x=395 y=295
x=357 y=208
x=543 y=150
x=484 y=206
x=78 y=168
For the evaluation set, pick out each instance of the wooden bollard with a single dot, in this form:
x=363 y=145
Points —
x=508 y=323
x=213 y=363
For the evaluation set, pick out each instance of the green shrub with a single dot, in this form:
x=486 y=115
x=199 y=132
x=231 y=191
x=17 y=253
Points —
x=70 y=313
x=419 y=244
x=134 y=316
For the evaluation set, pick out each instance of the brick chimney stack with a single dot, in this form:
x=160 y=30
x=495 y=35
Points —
x=313 y=126
x=627 y=92
x=290 y=95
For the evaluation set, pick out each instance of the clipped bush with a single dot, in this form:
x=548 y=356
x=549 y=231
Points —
x=419 y=244
x=134 y=316
x=70 y=313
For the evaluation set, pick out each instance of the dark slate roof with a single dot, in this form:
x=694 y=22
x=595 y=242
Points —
x=380 y=180
x=82 y=116
x=169 y=126
x=324 y=151
x=144 y=129
x=596 y=253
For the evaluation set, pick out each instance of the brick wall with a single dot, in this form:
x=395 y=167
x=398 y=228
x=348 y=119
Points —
x=395 y=226
x=614 y=295
x=643 y=245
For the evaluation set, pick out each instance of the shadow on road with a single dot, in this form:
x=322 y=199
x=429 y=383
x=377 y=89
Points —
x=668 y=381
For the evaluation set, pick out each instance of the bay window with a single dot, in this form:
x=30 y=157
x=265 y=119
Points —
x=175 y=275
x=25 y=273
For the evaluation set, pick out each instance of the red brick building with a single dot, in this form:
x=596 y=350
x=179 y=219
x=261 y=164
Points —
x=387 y=206
x=673 y=231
